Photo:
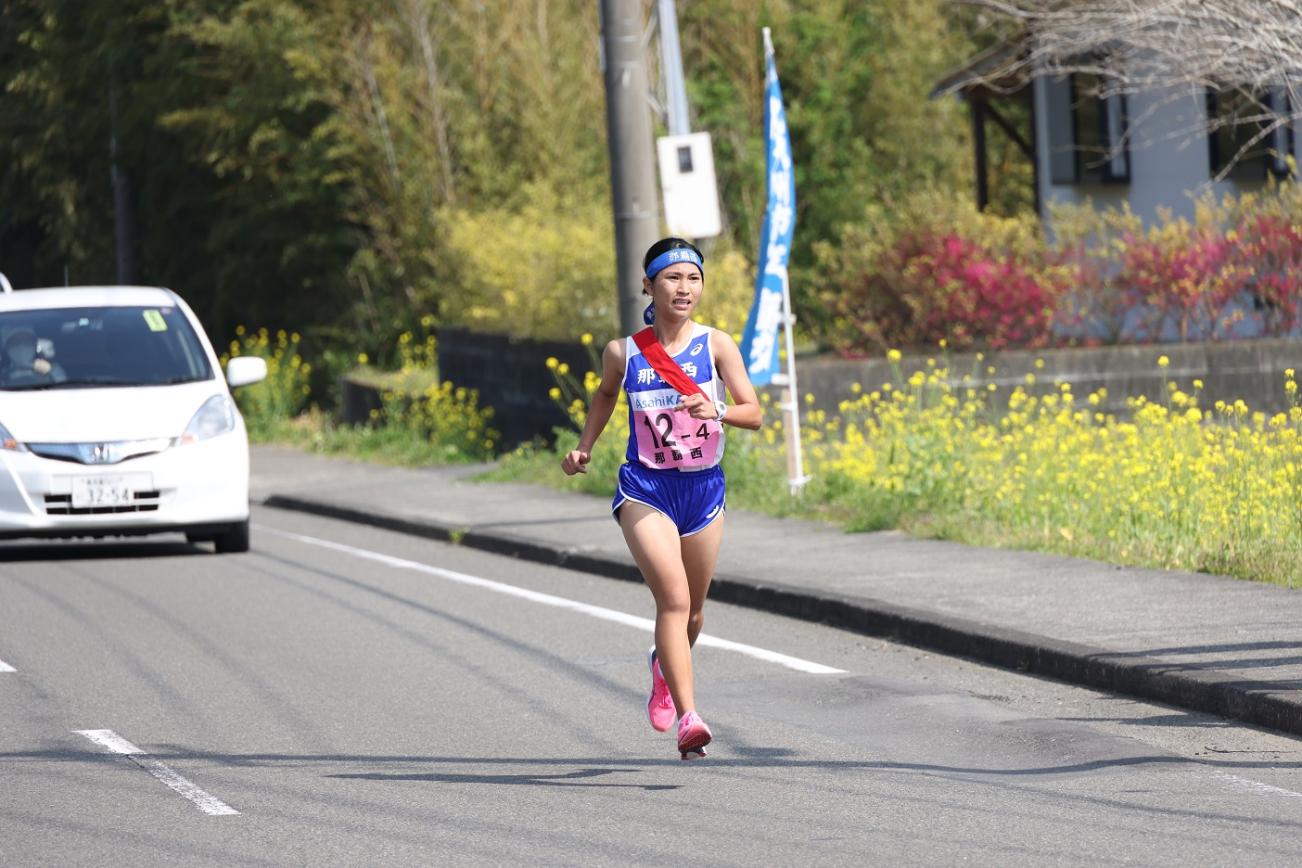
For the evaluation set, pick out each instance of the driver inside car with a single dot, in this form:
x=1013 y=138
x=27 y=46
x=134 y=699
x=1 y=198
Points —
x=24 y=365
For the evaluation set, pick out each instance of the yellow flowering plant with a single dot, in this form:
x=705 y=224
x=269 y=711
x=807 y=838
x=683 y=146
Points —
x=445 y=416
x=1170 y=485
x=422 y=420
x=1167 y=483
x=284 y=394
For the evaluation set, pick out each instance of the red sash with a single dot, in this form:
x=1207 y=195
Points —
x=666 y=367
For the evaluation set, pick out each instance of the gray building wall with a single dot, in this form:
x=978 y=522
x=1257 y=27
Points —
x=1170 y=164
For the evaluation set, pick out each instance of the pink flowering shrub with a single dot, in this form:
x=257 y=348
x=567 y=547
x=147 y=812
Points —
x=1232 y=271
x=935 y=269
x=1269 y=248
x=1182 y=276
x=932 y=268
x=983 y=297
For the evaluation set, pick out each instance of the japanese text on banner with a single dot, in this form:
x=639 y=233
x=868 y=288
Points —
x=759 y=345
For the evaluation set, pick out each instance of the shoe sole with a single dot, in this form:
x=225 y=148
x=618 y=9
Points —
x=696 y=744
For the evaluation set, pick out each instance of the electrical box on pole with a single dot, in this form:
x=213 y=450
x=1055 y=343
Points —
x=687 y=185
x=687 y=182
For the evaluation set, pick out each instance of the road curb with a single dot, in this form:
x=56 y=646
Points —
x=1208 y=691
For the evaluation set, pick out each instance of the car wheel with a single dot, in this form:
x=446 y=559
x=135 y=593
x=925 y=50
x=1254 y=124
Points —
x=234 y=539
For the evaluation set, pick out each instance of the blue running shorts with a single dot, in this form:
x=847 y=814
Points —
x=690 y=500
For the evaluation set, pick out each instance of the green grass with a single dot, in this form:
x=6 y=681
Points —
x=383 y=444
x=413 y=381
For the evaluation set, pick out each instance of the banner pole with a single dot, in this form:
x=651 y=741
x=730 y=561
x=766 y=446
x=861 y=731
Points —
x=796 y=477
x=772 y=305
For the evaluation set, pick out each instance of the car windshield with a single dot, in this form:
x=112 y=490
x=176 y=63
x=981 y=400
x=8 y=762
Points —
x=68 y=348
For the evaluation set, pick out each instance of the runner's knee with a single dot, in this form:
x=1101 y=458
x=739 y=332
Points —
x=679 y=605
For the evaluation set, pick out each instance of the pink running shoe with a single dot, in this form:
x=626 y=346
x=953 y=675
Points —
x=693 y=735
x=659 y=705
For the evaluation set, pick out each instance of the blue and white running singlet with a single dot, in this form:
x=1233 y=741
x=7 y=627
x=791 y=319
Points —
x=660 y=437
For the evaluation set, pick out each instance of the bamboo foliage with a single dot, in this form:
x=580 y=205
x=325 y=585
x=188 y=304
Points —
x=350 y=166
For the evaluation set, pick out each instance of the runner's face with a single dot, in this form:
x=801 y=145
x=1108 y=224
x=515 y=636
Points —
x=677 y=289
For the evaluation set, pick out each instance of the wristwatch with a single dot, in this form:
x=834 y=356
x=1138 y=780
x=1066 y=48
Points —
x=720 y=408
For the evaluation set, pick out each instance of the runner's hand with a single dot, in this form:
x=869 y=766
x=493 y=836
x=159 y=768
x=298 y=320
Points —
x=698 y=407
x=576 y=462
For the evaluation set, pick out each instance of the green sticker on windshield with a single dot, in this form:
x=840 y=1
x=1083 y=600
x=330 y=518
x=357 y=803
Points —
x=155 y=321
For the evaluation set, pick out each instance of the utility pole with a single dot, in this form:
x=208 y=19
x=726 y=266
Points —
x=632 y=161
x=123 y=230
x=671 y=63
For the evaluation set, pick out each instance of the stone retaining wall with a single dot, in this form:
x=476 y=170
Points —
x=512 y=377
x=1251 y=369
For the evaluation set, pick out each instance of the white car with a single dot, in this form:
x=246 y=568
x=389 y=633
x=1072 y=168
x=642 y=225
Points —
x=116 y=420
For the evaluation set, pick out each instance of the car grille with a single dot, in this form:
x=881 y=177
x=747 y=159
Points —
x=100 y=453
x=61 y=504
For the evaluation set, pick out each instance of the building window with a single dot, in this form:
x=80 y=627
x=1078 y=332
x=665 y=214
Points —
x=1087 y=132
x=1244 y=134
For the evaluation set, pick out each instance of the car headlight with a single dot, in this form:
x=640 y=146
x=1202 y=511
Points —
x=8 y=442
x=216 y=416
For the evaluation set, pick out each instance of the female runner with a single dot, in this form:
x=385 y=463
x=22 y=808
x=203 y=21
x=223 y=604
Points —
x=670 y=498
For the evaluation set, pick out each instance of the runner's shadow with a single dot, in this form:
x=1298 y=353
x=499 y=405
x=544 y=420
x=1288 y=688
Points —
x=569 y=779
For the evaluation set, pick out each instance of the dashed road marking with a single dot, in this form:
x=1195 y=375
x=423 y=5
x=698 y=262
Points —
x=5 y=667
x=618 y=617
x=202 y=800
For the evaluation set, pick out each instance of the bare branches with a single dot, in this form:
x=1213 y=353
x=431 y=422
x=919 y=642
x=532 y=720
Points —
x=1169 y=50
x=1149 y=44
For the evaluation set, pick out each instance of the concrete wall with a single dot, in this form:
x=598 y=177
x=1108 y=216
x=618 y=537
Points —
x=1252 y=370
x=512 y=377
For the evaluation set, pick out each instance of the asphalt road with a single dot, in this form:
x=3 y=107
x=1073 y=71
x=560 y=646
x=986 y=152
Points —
x=348 y=696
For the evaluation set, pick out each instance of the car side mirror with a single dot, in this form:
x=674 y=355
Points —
x=245 y=370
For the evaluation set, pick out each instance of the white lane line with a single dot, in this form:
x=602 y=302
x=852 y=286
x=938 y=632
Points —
x=559 y=602
x=5 y=667
x=205 y=802
x=1257 y=786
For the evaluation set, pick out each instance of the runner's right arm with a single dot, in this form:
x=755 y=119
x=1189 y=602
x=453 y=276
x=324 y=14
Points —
x=603 y=404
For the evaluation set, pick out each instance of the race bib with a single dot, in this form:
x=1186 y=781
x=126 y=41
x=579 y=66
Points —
x=672 y=439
